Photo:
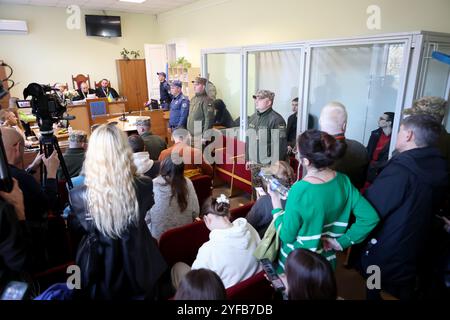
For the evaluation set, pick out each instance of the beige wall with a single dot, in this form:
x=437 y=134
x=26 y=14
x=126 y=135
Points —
x=52 y=53
x=222 y=23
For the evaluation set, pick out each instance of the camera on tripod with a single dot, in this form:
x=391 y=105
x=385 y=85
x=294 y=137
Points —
x=46 y=106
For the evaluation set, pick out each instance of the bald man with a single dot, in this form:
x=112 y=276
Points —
x=333 y=120
x=37 y=200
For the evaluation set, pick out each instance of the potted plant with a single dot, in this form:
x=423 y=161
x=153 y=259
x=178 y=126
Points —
x=124 y=53
x=182 y=62
x=136 y=54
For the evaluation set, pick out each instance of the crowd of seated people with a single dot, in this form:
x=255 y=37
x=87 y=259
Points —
x=127 y=200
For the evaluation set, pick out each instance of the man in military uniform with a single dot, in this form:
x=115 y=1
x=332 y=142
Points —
x=260 y=124
x=164 y=91
x=435 y=107
x=201 y=108
x=179 y=107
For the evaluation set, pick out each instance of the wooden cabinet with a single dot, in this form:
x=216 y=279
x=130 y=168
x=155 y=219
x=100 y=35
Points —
x=4 y=102
x=186 y=76
x=132 y=79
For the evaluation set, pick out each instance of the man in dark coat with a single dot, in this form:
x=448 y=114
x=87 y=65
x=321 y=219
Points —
x=164 y=91
x=406 y=195
x=105 y=91
x=378 y=146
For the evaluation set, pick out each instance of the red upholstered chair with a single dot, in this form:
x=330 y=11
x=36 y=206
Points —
x=256 y=287
x=241 y=212
x=78 y=79
x=181 y=244
x=232 y=166
x=203 y=187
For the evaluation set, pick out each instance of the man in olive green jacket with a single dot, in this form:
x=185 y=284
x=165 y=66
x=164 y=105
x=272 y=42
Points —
x=259 y=136
x=201 y=108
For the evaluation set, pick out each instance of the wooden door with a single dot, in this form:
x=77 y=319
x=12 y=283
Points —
x=141 y=84
x=133 y=82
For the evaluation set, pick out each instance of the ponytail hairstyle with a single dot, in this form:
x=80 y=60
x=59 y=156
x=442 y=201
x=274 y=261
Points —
x=320 y=148
x=173 y=175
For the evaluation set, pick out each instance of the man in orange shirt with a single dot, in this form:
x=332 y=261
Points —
x=194 y=163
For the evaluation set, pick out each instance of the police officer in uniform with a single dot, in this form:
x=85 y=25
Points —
x=179 y=107
x=260 y=124
x=201 y=109
x=164 y=91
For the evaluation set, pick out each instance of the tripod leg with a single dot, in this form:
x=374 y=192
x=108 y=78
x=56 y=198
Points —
x=62 y=162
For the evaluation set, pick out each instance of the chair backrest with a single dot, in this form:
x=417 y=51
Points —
x=257 y=287
x=203 y=187
x=241 y=212
x=78 y=79
x=181 y=244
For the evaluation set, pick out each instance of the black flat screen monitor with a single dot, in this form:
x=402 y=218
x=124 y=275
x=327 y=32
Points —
x=103 y=26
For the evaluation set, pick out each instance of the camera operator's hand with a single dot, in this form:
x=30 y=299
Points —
x=15 y=198
x=52 y=165
x=36 y=162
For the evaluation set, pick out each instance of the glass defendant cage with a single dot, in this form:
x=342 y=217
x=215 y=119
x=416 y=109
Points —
x=369 y=75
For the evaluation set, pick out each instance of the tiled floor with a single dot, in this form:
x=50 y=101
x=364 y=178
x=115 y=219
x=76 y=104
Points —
x=351 y=285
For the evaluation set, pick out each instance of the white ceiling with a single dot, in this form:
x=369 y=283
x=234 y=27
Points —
x=149 y=6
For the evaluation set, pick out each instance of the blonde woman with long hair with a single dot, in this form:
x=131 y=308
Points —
x=111 y=205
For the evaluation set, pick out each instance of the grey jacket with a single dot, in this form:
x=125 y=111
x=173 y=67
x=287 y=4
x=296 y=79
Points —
x=165 y=213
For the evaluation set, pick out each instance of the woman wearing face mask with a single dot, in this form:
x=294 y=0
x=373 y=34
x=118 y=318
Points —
x=318 y=207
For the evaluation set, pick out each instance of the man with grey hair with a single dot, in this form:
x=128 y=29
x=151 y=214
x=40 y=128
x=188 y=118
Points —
x=406 y=195
x=153 y=144
x=74 y=155
x=333 y=120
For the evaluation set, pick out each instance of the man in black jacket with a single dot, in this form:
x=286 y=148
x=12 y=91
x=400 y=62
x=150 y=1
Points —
x=37 y=200
x=378 y=146
x=406 y=195
x=105 y=91
x=13 y=236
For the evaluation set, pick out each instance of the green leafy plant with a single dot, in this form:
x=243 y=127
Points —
x=183 y=62
x=124 y=53
x=136 y=54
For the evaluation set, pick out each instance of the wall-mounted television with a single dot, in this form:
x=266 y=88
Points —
x=103 y=26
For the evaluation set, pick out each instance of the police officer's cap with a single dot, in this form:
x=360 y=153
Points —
x=177 y=83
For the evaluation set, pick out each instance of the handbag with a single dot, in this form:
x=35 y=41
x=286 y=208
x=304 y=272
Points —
x=269 y=246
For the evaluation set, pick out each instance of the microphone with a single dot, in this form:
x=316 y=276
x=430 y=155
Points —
x=68 y=117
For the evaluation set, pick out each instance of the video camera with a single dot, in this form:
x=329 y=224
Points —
x=46 y=106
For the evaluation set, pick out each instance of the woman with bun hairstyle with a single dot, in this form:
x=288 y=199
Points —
x=229 y=251
x=318 y=206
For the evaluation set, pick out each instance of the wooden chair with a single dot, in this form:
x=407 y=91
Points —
x=78 y=79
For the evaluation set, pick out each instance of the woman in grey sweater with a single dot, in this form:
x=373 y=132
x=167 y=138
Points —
x=176 y=202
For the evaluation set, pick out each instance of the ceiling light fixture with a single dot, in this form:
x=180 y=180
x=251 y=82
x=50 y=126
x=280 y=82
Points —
x=133 y=1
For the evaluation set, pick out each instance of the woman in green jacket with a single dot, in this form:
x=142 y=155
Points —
x=318 y=207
